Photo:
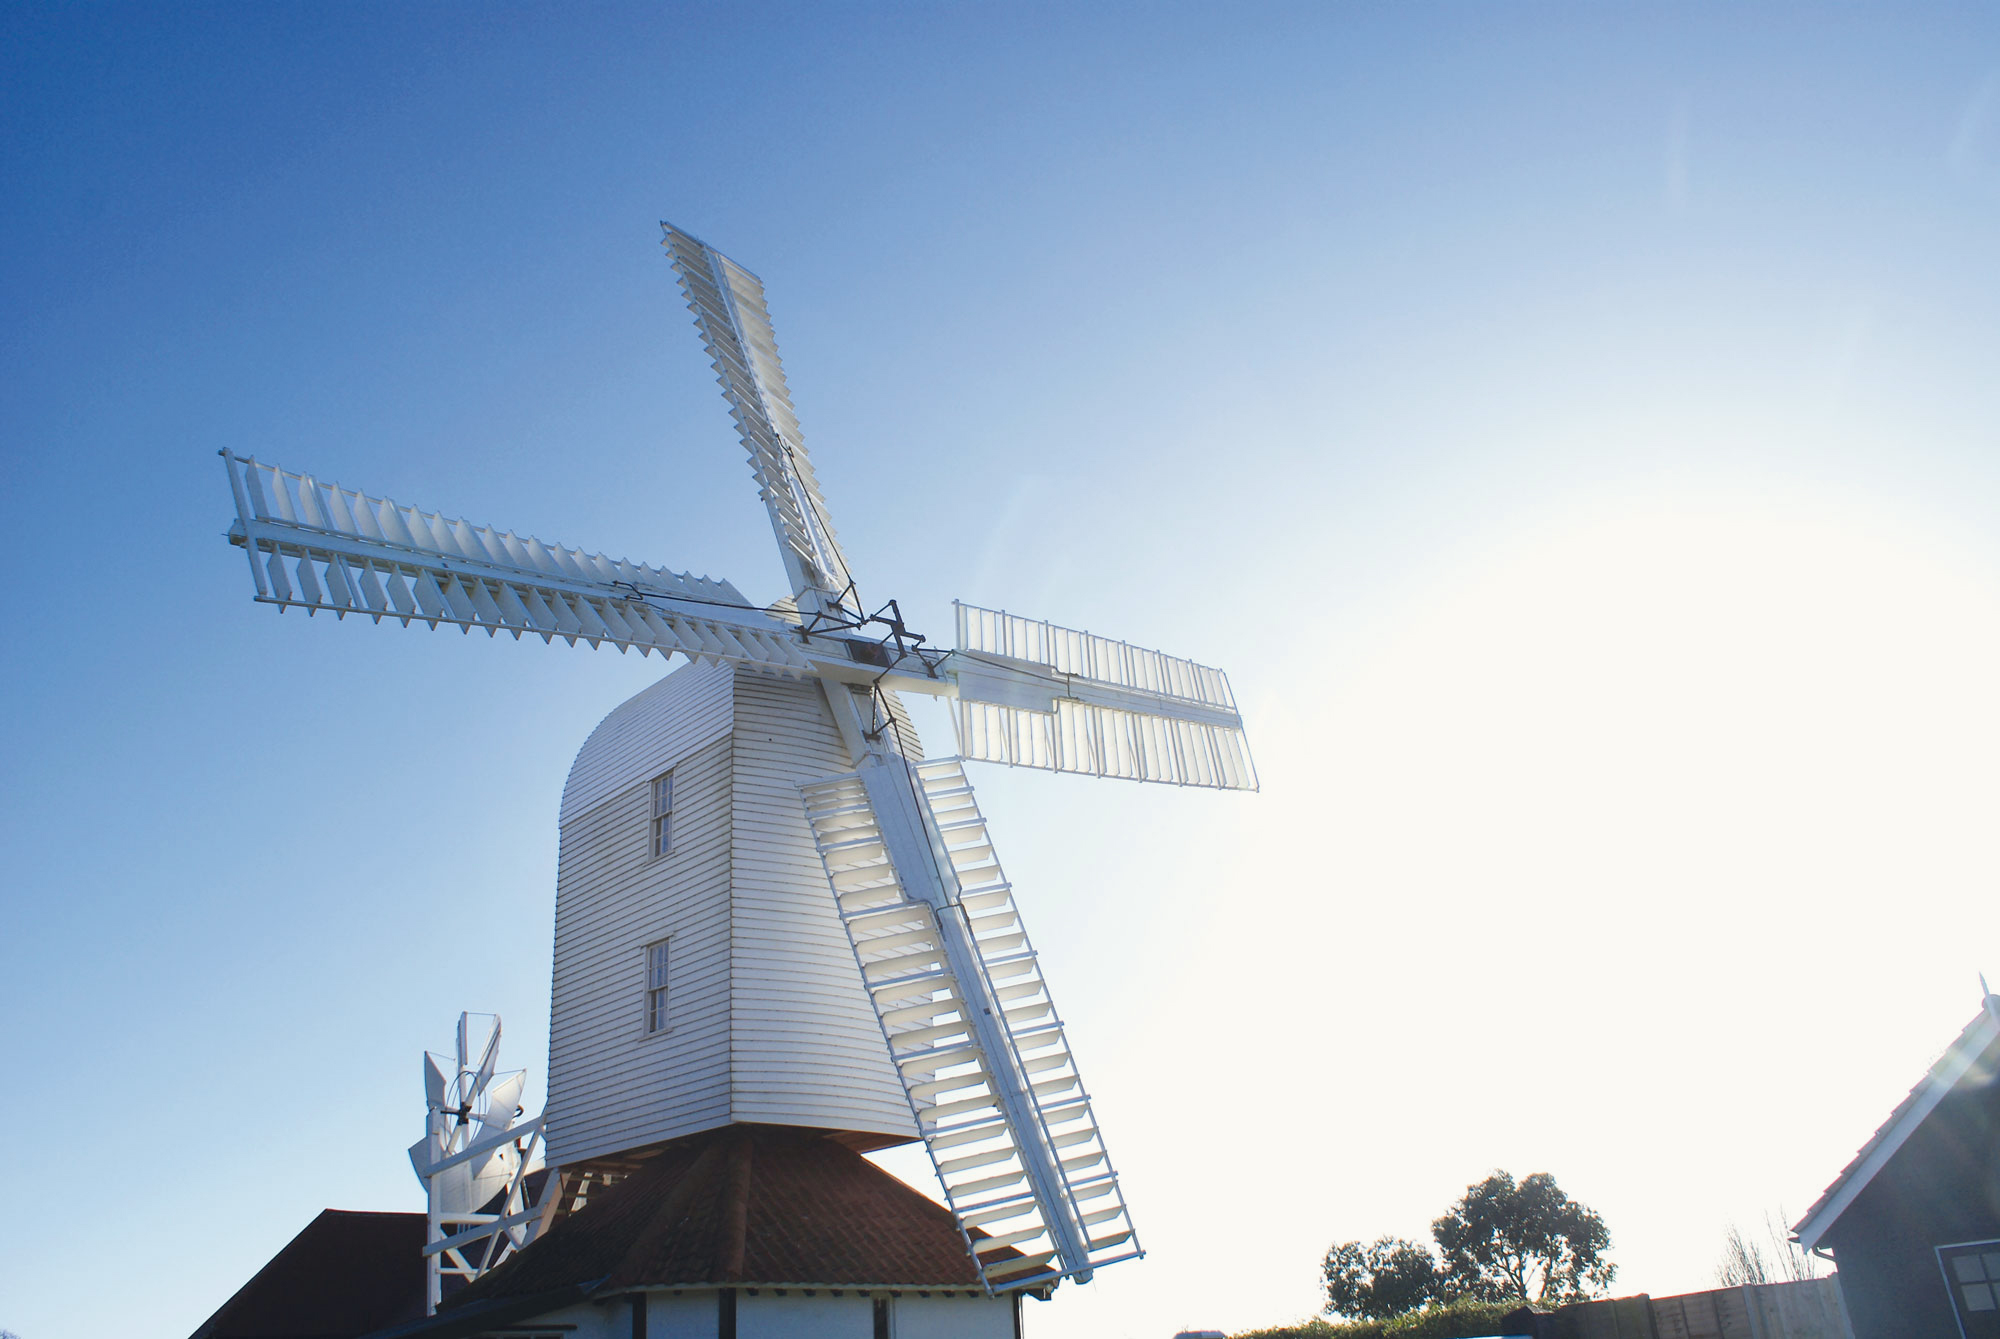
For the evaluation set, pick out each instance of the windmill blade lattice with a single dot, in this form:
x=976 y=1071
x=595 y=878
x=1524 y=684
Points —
x=728 y=305
x=1033 y=694
x=321 y=547
x=1001 y=1109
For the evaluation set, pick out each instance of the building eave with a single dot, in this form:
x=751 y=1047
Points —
x=1978 y=1037
x=478 y=1317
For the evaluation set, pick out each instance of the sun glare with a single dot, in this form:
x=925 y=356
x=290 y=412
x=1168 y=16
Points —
x=1586 y=829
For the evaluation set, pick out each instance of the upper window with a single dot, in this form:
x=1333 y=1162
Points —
x=656 y=987
x=663 y=813
x=1972 y=1272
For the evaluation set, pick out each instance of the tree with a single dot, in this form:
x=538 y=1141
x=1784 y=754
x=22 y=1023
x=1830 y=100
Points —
x=1390 y=1278
x=1530 y=1241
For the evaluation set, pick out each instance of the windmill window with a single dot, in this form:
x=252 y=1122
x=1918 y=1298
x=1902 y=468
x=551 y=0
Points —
x=656 y=987
x=663 y=813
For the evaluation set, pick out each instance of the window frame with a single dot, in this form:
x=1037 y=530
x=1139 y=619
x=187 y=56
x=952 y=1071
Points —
x=1953 y=1282
x=660 y=823
x=656 y=978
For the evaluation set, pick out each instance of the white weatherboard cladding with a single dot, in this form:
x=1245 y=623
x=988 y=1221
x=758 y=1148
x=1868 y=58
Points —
x=954 y=1317
x=645 y=734
x=689 y=1315
x=796 y=1316
x=767 y=1018
x=613 y=1086
x=807 y=1048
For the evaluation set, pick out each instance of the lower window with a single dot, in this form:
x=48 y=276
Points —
x=656 y=987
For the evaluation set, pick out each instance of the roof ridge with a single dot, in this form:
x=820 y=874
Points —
x=733 y=1230
x=668 y=1214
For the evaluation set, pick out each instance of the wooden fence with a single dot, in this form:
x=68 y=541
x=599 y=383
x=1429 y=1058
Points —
x=1809 y=1309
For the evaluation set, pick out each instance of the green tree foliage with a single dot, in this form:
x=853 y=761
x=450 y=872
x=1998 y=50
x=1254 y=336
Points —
x=1528 y=1240
x=1390 y=1278
x=1504 y=1244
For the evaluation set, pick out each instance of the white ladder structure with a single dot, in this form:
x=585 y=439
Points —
x=969 y=1023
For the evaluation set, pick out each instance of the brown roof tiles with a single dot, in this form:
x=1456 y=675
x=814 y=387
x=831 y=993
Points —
x=344 y=1275
x=755 y=1205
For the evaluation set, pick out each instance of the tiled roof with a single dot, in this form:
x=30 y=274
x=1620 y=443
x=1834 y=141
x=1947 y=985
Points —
x=344 y=1275
x=1976 y=1042
x=755 y=1205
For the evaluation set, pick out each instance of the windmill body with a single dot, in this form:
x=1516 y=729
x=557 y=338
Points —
x=771 y=909
x=764 y=1018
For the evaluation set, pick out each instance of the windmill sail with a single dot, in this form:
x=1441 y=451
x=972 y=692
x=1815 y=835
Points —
x=728 y=305
x=969 y=1023
x=1032 y=694
x=318 y=546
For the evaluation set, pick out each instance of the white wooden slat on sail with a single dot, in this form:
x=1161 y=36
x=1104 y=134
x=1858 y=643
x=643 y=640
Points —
x=1073 y=653
x=975 y=1149
x=404 y=563
x=338 y=511
x=728 y=305
x=1097 y=741
x=1177 y=721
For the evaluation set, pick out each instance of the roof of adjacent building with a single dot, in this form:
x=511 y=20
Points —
x=346 y=1274
x=755 y=1205
x=1961 y=1062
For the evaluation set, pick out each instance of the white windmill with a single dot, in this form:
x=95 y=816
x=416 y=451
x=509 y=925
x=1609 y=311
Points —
x=755 y=1022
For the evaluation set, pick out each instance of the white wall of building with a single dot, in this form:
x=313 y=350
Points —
x=612 y=1085
x=914 y=1317
x=768 y=1020
x=794 y=1316
x=806 y=1044
x=687 y=1316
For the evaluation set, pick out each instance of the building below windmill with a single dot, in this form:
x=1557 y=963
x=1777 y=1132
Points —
x=742 y=1232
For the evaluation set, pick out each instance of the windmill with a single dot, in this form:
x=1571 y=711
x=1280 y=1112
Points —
x=976 y=1052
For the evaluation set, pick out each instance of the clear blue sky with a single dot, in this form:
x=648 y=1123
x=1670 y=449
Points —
x=1575 y=428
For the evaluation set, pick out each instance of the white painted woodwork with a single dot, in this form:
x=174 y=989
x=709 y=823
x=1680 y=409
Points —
x=686 y=1315
x=768 y=1021
x=1035 y=694
x=472 y=1151
x=957 y=990
x=728 y=305
x=320 y=547
x=765 y=1315
x=806 y=1045
x=1028 y=693
x=919 y=1317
